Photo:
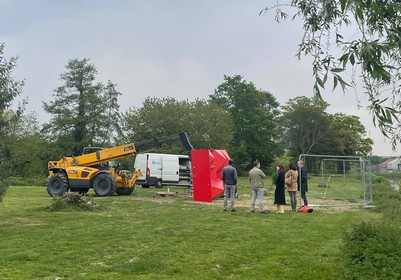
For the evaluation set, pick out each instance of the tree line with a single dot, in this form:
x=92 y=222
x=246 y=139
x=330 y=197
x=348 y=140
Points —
x=246 y=121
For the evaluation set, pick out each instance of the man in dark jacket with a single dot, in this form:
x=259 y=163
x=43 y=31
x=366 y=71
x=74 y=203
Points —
x=229 y=178
x=302 y=181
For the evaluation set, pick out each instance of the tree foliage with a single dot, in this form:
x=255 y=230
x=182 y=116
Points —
x=254 y=113
x=9 y=87
x=208 y=125
x=368 y=35
x=83 y=112
x=350 y=135
x=309 y=129
x=9 y=90
x=28 y=149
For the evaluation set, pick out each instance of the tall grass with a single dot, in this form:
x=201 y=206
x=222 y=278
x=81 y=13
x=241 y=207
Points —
x=143 y=236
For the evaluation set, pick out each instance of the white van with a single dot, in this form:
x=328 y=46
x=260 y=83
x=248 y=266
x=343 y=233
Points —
x=163 y=170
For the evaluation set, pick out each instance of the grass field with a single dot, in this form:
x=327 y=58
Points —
x=146 y=237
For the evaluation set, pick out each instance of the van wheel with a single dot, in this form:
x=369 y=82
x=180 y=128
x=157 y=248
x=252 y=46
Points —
x=159 y=184
x=145 y=186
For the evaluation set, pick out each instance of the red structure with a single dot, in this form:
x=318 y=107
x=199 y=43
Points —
x=207 y=168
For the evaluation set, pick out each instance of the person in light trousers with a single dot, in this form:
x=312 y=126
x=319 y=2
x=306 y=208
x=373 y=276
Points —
x=256 y=177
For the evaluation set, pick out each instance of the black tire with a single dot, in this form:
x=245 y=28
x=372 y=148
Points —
x=104 y=185
x=124 y=191
x=159 y=184
x=145 y=186
x=57 y=184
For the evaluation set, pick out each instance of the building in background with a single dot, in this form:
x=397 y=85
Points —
x=391 y=165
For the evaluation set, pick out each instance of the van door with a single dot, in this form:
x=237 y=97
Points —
x=154 y=171
x=185 y=170
x=141 y=161
x=170 y=168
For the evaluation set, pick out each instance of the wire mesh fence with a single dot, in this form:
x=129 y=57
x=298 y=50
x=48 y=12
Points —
x=337 y=180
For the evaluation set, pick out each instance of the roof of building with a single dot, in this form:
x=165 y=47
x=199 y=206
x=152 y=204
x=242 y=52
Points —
x=389 y=161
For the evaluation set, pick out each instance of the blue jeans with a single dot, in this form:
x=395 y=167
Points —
x=257 y=192
x=229 y=191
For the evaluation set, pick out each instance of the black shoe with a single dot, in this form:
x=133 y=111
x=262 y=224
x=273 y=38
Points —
x=252 y=211
x=224 y=210
x=263 y=212
x=233 y=210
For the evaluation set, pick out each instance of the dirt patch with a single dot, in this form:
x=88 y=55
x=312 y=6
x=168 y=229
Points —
x=244 y=200
x=321 y=205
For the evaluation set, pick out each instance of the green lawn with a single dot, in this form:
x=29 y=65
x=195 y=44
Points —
x=146 y=237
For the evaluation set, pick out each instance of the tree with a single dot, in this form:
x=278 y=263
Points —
x=307 y=127
x=373 y=50
x=83 y=112
x=27 y=148
x=255 y=114
x=208 y=125
x=350 y=135
x=9 y=90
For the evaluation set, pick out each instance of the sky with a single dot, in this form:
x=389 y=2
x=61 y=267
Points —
x=157 y=48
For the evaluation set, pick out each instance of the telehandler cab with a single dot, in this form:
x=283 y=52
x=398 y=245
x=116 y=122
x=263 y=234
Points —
x=92 y=169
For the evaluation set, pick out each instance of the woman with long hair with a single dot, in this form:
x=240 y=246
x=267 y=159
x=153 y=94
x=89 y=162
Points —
x=279 y=193
x=291 y=181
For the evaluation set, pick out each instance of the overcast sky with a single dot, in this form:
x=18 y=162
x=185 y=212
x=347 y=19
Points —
x=159 y=48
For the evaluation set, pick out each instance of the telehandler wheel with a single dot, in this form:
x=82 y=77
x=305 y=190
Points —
x=104 y=185
x=57 y=184
x=124 y=191
x=145 y=186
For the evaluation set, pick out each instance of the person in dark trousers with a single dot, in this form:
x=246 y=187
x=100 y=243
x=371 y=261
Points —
x=279 y=193
x=302 y=181
x=229 y=178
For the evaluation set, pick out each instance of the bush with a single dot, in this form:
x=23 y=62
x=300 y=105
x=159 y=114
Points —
x=372 y=251
x=3 y=189
x=388 y=202
x=377 y=179
x=72 y=201
x=274 y=177
x=20 y=181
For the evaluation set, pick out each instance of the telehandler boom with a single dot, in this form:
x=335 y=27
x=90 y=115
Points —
x=92 y=170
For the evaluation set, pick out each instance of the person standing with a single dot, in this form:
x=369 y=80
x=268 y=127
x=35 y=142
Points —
x=256 y=177
x=279 y=193
x=291 y=181
x=303 y=181
x=229 y=178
